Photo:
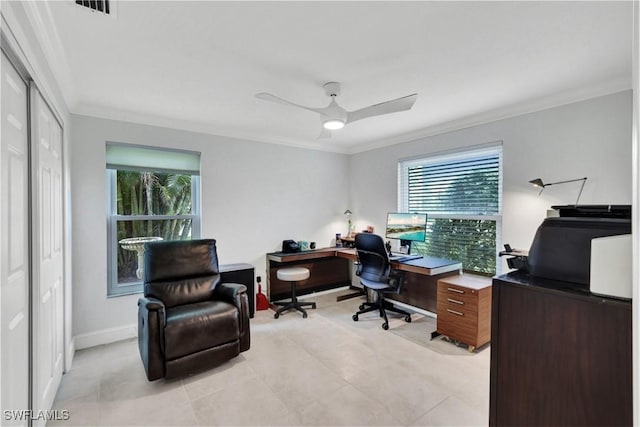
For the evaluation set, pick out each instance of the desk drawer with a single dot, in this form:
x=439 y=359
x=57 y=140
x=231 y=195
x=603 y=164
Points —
x=464 y=309
x=458 y=325
x=467 y=299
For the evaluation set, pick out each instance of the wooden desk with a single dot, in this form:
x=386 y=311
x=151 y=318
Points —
x=330 y=268
x=327 y=271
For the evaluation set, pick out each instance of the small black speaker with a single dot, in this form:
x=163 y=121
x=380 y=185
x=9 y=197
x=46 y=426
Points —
x=290 y=246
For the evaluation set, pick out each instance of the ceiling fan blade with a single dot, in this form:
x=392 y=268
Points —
x=269 y=97
x=393 y=106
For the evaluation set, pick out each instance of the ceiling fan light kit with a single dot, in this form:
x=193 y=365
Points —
x=334 y=117
x=333 y=124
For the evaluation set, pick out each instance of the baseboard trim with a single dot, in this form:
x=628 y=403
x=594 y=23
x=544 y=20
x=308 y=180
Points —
x=71 y=352
x=105 y=336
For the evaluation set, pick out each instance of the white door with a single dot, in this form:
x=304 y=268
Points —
x=14 y=238
x=47 y=253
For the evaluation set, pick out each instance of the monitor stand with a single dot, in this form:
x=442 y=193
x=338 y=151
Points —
x=406 y=243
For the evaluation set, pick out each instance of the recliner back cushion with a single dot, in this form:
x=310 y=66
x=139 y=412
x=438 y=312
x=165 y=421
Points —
x=180 y=272
x=186 y=291
x=172 y=260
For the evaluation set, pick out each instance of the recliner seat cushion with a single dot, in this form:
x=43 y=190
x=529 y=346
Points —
x=194 y=327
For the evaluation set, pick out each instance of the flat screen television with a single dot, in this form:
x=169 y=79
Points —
x=407 y=227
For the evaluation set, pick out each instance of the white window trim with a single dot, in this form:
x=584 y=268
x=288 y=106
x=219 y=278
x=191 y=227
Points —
x=403 y=193
x=115 y=289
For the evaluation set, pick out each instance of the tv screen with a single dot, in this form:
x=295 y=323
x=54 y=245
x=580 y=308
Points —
x=407 y=226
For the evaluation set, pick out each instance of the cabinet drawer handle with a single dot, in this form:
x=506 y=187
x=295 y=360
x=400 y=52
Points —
x=455 y=301
x=455 y=312
x=455 y=290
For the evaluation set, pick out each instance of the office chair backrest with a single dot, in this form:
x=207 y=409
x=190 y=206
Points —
x=373 y=257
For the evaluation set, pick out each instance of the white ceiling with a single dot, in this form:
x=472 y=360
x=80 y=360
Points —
x=198 y=65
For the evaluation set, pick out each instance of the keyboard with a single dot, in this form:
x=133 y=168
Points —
x=403 y=257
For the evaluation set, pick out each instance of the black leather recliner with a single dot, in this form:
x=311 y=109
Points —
x=188 y=320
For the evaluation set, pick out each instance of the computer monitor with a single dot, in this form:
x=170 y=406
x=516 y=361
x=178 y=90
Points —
x=407 y=227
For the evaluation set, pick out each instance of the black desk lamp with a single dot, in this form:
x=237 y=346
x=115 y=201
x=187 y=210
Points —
x=538 y=183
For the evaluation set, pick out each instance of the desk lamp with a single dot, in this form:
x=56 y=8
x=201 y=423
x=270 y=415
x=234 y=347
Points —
x=348 y=214
x=538 y=183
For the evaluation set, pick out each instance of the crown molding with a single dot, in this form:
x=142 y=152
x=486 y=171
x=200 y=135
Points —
x=531 y=106
x=205 y=128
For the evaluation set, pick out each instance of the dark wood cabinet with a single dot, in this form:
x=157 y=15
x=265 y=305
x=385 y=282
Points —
x=559 y=356
x=243 y=274
x=325 y=273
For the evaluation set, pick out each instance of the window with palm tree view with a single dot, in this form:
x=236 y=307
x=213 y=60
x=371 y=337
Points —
x=461 y=193
x=146 y=206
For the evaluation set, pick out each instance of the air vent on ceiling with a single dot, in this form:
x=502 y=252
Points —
x=100 y=6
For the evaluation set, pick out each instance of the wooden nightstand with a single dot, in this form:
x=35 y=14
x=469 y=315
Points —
x=464 y=309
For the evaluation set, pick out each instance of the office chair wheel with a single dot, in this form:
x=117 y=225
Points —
x=275 y=316
x=407 y=318
x=361 y=307
x=304 y=315
x=385 y=326
x=355 y=317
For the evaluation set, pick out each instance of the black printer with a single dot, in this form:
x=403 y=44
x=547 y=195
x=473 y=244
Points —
x=561 y=248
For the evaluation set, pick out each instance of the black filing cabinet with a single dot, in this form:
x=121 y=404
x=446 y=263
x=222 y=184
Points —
x=243 y=274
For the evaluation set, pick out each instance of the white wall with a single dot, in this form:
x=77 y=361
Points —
x=254 y=195
x=590 y=138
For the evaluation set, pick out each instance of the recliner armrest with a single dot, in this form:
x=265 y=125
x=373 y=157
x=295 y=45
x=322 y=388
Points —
x=151 y=304
x=229 y=291
x=151 y=323
x=236 y=294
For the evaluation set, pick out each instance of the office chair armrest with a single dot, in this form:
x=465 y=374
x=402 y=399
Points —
x=395 y=279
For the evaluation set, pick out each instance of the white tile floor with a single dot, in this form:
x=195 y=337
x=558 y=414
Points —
x=325 y=370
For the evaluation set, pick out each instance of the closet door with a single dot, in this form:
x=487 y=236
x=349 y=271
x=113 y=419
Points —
x=47 y=252
x=14 y=238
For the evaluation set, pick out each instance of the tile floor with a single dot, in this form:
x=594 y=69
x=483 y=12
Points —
x=325 y=370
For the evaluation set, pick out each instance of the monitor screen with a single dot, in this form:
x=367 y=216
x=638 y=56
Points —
x=407 y=226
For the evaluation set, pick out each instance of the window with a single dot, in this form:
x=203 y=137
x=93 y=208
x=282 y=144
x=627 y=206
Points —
x=152 y=193
x=461 y=193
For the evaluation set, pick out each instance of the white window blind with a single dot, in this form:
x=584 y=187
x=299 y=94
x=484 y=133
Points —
x=142 y=158
x=461 y=193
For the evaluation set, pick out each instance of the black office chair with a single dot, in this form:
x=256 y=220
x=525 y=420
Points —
x=375 y=273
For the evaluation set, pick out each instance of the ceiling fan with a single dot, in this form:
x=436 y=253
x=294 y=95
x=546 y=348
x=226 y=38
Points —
x=335 y=117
